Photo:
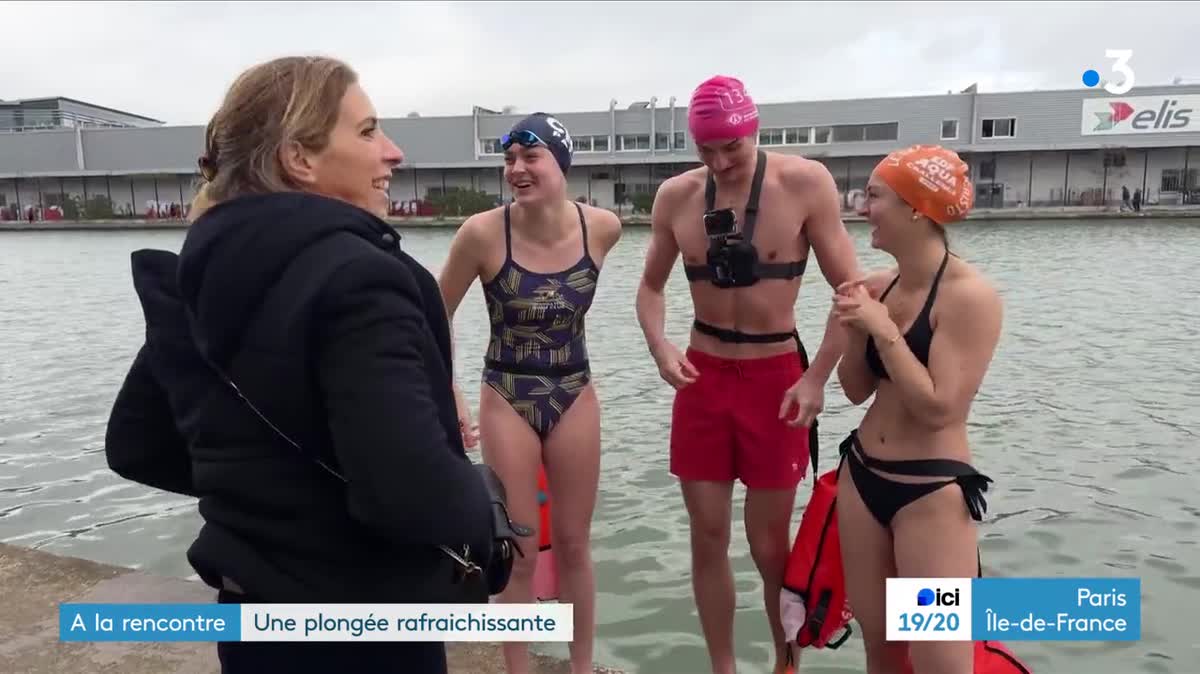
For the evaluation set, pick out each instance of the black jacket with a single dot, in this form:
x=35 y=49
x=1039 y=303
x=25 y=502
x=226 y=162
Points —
x=341 y=340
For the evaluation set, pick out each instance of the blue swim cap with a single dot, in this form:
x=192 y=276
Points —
x=542 y=129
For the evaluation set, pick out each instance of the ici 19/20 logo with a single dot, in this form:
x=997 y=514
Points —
x=1121 y=66
x=937 y=597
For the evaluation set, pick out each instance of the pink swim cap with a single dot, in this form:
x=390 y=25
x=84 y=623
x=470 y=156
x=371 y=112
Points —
x=721 y=109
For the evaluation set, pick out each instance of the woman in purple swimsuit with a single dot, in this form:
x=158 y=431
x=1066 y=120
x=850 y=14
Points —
x=539 y=261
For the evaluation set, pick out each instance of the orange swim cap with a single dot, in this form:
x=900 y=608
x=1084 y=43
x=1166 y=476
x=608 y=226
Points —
x=931 y=179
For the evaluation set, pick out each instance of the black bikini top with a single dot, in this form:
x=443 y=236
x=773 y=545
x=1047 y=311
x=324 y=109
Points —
x=919 y=336
x=772 y=270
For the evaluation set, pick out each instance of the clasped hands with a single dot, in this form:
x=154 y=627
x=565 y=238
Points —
x=856 y=306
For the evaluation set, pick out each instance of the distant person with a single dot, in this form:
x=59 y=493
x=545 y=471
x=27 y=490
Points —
x=746 y=398
x=538 y=260
x=341 y=476
x=1125 y=205
x=1137 y=200
x=922 y=348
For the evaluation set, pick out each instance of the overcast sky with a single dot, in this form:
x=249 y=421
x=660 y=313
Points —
x=173 y=61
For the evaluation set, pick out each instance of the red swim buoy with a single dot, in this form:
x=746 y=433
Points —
x=991 y=657
x=545 y=575
x=813 y=600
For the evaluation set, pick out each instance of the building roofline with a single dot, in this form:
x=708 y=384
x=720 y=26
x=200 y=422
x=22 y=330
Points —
x=639 y=160
x=1135 y=91
x=682 y=105
x=681 y=102
x=79 y=102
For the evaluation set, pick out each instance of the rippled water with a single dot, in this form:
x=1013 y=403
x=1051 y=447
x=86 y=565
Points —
x=1087 y=422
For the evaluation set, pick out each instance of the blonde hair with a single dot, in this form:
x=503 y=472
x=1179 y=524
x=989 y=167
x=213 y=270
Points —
x=295 y=99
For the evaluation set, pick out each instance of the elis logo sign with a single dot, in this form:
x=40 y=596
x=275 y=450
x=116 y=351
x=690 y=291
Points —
x=1139 y=114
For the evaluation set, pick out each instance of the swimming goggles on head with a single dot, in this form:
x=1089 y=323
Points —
x=524 y=137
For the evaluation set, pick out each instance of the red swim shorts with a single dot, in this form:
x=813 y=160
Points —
x=726 y=425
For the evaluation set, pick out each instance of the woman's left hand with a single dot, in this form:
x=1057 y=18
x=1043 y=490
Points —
x=856 y=308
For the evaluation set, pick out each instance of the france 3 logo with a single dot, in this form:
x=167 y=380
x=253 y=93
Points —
x=1120 y=66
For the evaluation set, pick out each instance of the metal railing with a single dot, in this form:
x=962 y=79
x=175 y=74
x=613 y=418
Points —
x=20 y=120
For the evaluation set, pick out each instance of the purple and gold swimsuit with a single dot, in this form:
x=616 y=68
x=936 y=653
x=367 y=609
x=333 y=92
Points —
x=537 y=356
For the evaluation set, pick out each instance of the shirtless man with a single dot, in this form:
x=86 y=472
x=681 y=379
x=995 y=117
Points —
x=742 y=409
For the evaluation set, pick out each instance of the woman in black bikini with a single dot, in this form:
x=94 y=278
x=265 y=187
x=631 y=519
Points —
x=921 y=338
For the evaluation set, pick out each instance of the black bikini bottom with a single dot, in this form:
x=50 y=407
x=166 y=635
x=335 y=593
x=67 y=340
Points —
x=884 y=497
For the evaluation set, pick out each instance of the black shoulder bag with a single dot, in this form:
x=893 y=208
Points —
x=469 y=582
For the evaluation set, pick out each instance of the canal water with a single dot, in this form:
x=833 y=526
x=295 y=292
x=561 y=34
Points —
x=1087 y=422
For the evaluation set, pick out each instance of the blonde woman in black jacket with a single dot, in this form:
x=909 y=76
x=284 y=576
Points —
x=296 y=378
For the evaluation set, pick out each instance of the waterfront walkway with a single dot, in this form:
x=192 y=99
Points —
x=34 y=583
x=642 y=219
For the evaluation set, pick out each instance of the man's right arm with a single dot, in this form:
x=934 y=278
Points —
x=660 y=259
